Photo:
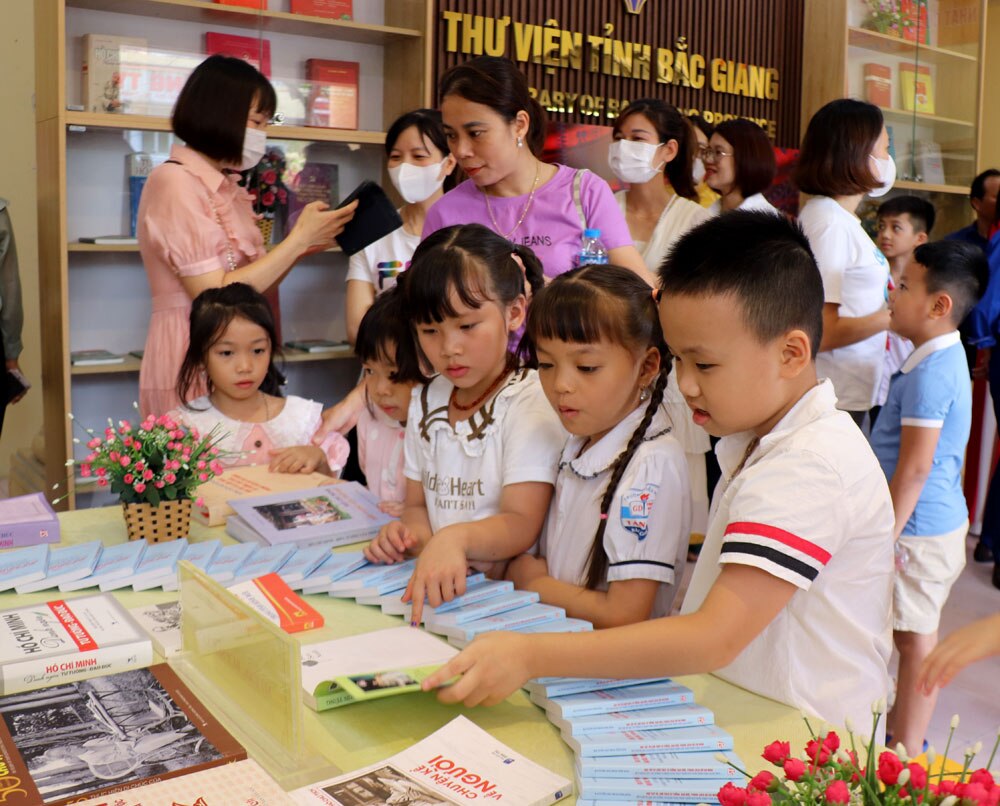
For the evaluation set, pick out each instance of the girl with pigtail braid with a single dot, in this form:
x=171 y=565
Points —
x=603 y=365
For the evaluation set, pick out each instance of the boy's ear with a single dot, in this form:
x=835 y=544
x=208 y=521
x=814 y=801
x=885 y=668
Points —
x=942 y=306
x=796 y=353
x=922 y=237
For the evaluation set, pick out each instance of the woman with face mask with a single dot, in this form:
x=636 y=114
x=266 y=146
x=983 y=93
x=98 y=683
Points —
x=740 y=164
x=197 y=228
x=421 y=169
x=844 y=157
x=702 y=130
x=653 y=152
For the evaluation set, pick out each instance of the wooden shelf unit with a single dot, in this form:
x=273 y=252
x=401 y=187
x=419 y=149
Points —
x=132 y=364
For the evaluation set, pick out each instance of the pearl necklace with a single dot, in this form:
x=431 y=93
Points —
x=524 y=212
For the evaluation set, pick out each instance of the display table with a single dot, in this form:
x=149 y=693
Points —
x=355 y=736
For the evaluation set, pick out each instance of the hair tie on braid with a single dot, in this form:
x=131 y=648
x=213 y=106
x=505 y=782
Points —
x=604 y=516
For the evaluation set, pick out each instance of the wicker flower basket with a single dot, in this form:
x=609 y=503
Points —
x=169 y=521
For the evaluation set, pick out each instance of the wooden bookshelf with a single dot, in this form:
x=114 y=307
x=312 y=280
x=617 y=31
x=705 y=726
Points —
x=131 y=363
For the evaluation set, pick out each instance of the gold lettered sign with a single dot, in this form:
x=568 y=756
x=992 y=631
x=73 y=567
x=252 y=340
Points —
x=585 y=61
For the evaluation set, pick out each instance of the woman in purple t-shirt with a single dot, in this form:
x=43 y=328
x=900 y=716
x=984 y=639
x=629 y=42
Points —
x=495 y=130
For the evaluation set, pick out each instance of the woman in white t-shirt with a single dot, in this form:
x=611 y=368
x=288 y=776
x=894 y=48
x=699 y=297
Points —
x=653 y=153
x=739 y=166
x=421 y=168
x=845 y=156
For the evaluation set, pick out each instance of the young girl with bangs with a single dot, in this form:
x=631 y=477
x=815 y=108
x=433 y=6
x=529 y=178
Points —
x=482 y=444
x=623 y=477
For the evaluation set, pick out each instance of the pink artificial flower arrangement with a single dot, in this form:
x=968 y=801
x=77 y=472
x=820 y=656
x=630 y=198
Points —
x=829 y=774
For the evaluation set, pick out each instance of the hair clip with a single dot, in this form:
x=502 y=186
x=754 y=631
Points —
x=604 y=516
x=657 y=295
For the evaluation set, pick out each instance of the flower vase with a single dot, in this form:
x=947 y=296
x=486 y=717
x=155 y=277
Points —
x=168 y=521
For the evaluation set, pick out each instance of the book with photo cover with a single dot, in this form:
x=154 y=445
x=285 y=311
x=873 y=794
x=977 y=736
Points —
x=460 y=757
x=162 y=623
x=106 y=735
x=27 y=520
x=244 y=482
x=369 y=666
x=333 y=515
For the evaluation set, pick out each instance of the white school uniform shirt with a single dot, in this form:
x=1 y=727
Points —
x=755 y=202
x=649 y=520
x=811 y=506
x=677 y=217
x=514 y=438
x=855 y=276
x=897 y=350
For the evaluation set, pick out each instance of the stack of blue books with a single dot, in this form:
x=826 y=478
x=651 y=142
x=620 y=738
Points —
x=638 y=741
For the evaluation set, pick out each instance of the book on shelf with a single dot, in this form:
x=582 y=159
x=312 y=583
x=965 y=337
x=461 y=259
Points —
x=65 y=565
x=27 y=520
x=929 y=163
x=459 y=757
x=661 y=765
x=913 y=14
x=662 y=718
x=108 y=734
x=23 y=565
x=107 y=74
x=331 y=9
x=256 y=51
x=244 y=482
x=629 y=698
x=137 y=353
x=878 y=84
x=370 y=666
x=110 y=240
x=334 y=515
x=917 y=87
x=620 y=791
x=242 y=783
x=333 y=98
x=91 y=358
x=138 y=167
x=117 y=561
x=270 y=596
x=319 y=346
x=706 y=738
x=162 y=623
x=60 y=641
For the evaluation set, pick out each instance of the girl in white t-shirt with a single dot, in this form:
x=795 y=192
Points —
x=231 y=349
x=420 y=168
x=615 y=541
x=481 y=444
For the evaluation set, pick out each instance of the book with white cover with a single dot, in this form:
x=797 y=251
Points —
x=459 y=763
x=199 y=555
x=334 y=567
x=116 y=562
x=442 y=622
x=542 y=688
x=707 y=738
x=631 y=698
x=646 y=790
x=668 y=716
x=21 y=566
x=302 y=563
x=162 y=623
x=660 y=765
x=62 y=641
x=370 y=665
x=65 y=565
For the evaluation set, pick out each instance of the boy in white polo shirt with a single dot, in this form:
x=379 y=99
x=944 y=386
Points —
x=791 y=594
x=920 y=439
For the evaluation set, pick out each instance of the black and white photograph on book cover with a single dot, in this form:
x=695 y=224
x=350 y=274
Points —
x=385 y=786
x=166 y=615
x=313 y=511
x=85 y=736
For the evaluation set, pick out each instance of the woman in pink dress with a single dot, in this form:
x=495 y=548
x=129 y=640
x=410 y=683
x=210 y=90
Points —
x=196 y=226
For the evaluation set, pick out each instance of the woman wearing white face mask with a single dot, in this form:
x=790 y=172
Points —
x=196 y=227
x=845 y=156
x=421 y=169
x=653 y=152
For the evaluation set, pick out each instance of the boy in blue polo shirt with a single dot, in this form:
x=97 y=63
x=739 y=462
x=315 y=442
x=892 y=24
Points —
x=920 y=440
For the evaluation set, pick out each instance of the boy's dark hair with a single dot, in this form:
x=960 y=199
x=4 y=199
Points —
x=495 y=81
x=211 y=111
x=978 y=189
x=920 y=211
x=763 y=261
x=211 y=313
x=669 y=125
x=834 y=160
x=384 y=335
x=753 y=155
x=428 y=123
x=958 y=269
x=602 y=303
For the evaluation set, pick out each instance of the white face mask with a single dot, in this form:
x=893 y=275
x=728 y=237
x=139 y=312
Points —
x=698 y=171
x=885 y=172
x=254 y=147
x=416 y=183
x=632 y=161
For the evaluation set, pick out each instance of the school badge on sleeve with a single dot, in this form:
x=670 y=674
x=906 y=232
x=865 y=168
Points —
x=637 y=504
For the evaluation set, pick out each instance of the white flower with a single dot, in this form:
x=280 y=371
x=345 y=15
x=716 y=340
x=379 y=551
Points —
x=951 y=800
x=901 y=752
x=904 y=776
x=954 y=722
x=721 y=757
x=849 y=724
x=931 y=755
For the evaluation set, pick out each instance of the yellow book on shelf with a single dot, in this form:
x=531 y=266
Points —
x=917 y=86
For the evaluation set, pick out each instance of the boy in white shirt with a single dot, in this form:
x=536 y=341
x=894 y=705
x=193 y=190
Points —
x=791 y=596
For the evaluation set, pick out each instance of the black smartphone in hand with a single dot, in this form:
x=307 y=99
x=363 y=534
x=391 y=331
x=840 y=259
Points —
x=374 y=218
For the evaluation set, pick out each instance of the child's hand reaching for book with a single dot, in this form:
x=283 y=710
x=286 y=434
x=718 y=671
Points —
x=489 y=670
x=439 y=576
x=391 y=544
x=300 y=459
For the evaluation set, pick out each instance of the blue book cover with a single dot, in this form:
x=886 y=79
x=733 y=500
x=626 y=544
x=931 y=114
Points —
x=302 y=563
x=649 y=790
x=335 y=566
x=199 y=555
x=632 y=698
x=707 y=738
x=544 y=687
x=477 y=589
x=158 y=564
x=561 y=625
x=512 y=620
x=395 y=580
x=228 y=560
x=370 y=574
x=661 y=765
x=667 y=716
x=21 y=566
x=116 y=562
x=266 y=560
x=443 y=622
x=65 y=565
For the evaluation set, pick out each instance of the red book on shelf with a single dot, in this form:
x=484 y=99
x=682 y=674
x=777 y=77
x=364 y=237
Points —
x=333 y=101
x=878 y=84
x=249 y=48
x=914 y=15
x=334 y=9
x=260 y=5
